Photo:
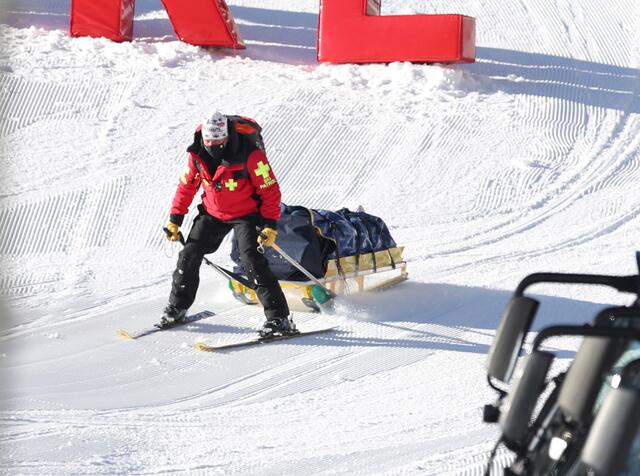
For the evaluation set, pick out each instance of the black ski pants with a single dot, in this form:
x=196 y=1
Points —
x=205 y=237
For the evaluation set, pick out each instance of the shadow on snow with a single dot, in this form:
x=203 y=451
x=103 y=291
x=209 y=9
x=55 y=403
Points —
x=535 y=74
x=439 y=317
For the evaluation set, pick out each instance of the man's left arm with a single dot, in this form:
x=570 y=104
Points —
x=266 y=186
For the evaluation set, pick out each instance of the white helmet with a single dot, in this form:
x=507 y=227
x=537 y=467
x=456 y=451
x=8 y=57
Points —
x=215 y=127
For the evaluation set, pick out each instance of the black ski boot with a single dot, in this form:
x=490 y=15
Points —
x=278 y=326
x=171 y=316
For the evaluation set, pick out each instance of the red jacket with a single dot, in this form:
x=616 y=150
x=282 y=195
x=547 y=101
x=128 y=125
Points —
x=243 y=182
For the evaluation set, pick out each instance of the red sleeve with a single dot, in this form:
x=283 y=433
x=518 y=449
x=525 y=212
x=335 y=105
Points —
x=187 y=188
x=266 y=185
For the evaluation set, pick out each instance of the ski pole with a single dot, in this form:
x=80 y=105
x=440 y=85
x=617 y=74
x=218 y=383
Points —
x=224 y=272
x=230 y=274
x=298 y=266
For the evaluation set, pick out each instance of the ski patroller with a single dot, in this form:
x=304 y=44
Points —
x=258 y=340
x=151 y=330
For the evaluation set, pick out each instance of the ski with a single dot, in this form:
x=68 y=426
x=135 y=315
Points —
x=257 y=340
x=152 y=330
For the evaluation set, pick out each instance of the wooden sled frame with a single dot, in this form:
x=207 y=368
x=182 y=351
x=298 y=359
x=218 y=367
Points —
x=349 y=275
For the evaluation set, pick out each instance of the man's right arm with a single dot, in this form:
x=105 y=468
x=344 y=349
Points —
x=187 y=189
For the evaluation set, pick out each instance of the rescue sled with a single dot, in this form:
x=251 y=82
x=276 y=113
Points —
x=345 y=252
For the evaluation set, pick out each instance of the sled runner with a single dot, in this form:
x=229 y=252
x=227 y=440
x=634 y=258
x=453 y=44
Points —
x=345 y=252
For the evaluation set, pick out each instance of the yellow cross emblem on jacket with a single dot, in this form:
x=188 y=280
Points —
x=262 y=170
x=231 y=184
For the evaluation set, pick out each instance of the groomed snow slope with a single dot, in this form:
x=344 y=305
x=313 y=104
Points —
x=527 y=160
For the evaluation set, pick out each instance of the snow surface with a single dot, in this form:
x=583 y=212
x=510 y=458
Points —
x=527 y=160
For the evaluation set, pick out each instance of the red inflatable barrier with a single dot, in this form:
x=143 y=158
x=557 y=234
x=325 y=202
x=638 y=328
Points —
x=349 y=31
x=198 y=22
x=352 y=31
x=204 y=23
x=111 y=19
